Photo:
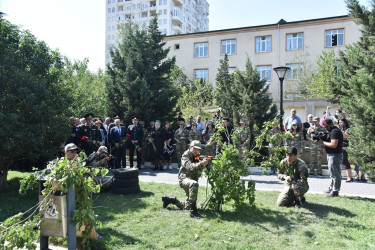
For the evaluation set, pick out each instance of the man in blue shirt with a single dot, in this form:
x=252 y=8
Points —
x=291 y=119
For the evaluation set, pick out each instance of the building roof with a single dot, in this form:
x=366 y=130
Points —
x=282 y=22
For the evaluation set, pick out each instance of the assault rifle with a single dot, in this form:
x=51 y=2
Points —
x=294 y=182
x=207 y=157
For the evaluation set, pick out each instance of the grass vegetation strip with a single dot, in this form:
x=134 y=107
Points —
x=139 y=222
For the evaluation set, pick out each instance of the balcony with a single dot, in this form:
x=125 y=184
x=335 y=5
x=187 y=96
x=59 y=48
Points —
x=178 y=2
x=177 y=29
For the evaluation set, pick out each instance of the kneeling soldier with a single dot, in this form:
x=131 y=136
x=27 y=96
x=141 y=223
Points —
x=295 y=173
x=188 y=179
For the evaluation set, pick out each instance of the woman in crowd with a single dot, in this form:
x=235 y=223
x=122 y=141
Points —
x=168 y=146
x=344 y=126
x=156 y=140
x=207 y=134
x=297 y=138
x=100 y=127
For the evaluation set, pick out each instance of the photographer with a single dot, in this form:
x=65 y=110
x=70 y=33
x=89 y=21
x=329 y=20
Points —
x=333 y=147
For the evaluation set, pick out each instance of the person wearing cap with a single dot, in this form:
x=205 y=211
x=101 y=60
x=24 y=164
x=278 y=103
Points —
x=207 y=136
x=293 y=118
x=243 y=138
x=89 y=135
x=136 y=135
x=315 y=149
x=194 y=134
x=143 y=154
x=118 y=140
x=188 y=180
x=181 y=137
x=99 y=158
x=297 y=137
x=71 y=151
x=292 y=168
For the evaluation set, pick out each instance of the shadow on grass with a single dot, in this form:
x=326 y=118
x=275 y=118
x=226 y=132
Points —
x=322 y=211
x=359 y=199
x=114 y=235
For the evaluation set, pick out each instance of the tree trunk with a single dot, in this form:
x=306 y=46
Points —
x=4 y=168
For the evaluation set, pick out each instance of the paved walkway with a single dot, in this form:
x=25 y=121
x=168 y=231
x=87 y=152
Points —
x=318 y=184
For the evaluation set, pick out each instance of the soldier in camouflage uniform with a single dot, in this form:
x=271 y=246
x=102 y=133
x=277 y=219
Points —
x=194 y=134
x=207 y=136
x=315 y=148
x=99 y=159
x=297 y=140
x=243 y=138
x=188 y=180
x=181 y=138
x=143 y=143
x=297 y=169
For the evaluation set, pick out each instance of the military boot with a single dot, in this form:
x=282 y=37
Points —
x=194 y=211
x=168 y=200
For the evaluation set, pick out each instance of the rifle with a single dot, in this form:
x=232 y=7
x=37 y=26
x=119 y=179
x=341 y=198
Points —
x=294 y=182
x=207 y=157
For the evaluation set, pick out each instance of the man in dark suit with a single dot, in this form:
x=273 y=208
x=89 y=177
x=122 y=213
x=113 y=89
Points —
x=117 y=138
x=136 y=134
x=89 y=135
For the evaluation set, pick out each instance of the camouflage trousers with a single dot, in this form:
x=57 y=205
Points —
x=288 y=196
x=191 y=189
x=180 y=149
x=315 y=159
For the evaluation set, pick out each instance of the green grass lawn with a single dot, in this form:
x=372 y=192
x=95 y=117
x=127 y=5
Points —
x=139 y=222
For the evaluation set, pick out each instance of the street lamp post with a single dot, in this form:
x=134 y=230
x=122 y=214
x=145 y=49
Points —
x=281 y=71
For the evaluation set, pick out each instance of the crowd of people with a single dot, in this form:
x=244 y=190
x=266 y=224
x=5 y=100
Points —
x=155 y=143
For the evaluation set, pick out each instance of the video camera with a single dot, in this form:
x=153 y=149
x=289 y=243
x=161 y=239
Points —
x=320 y=135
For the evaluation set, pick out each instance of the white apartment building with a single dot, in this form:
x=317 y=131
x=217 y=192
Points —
x=175 y=16
x=294 y=44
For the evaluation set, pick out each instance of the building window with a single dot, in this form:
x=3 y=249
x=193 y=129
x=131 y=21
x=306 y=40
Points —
x=113 y=28
x=228 y=47
x=231 y=69
x=165 y=11
x=160 y=12
x=294 y=72
x=264 y=72
x=334 y=38
x=165 y=2
x=109 y=10
x=201 y=50
x=113 y=19
x=177 y=46
x=201 y=74
x=109 y=19
x=113 y=9
x=109 y=28
x=294 y=41
x=263 y=44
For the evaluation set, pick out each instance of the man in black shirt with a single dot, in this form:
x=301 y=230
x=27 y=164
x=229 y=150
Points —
x=333 y=146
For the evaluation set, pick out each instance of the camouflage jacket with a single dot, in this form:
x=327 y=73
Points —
x=299 y=169
x=297 y=140
x=243 y=136
x=207 y=135
x=271 y=133
x=189 y=167
x=195 y=135
x=93 y=160
x=178 y=134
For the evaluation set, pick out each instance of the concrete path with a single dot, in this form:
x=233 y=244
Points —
x=318 y=184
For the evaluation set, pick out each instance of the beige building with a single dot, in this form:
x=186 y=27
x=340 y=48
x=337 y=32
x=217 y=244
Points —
x=293 y=44
x=175 y=16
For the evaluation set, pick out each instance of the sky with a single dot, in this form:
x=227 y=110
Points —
x=77 y=27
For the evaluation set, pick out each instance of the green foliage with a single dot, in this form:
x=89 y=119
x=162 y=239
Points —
x=194 y=97
x=32 y=98
x=140 y=83
x=356 y=89
x=224 y=175
x=87 y=89
x=325 y=78
x=252 y=100
x=224 y=96
x=19 y=230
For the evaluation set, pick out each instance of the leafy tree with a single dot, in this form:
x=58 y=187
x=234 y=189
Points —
x=32 y=99
x=356 y=88
x=87 y=88
x=325 y=78
x=253 y=101
x=140 y=83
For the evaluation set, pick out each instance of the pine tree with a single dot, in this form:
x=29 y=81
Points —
x=140 y=83
x=253 y=101
x=356 y=89
x=224 y=96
